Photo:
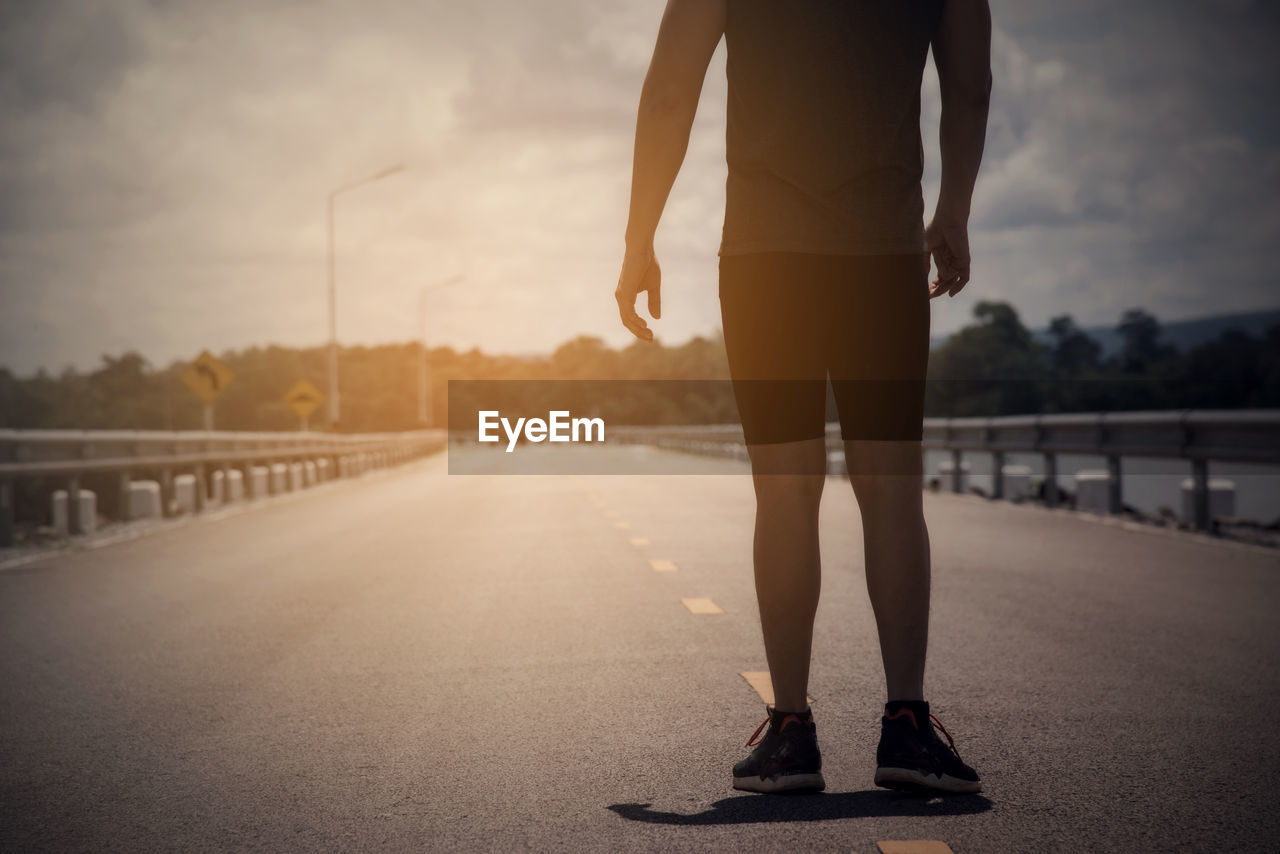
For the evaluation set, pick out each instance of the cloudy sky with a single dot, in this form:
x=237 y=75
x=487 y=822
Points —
x=164 y=167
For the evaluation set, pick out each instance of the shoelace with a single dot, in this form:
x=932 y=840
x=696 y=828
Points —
x=950 y=742
x=754 y=740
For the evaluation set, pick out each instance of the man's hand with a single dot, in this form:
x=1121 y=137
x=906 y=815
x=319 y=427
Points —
x=948 y=240
x=640 y=272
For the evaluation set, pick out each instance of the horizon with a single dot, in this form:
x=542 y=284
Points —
x=935 y=340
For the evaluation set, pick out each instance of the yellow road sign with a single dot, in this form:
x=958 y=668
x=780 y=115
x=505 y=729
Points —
x=207 y=377
x=303 y=398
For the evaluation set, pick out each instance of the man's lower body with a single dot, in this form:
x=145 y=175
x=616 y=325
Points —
x=791 y=321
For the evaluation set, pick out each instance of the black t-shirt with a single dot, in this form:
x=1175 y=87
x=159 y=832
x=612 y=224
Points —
x=823 y=137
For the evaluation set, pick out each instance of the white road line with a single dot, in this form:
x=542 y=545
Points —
x=914 y=846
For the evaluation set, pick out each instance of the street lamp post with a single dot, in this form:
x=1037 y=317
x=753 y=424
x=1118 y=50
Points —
x=424 y=369
x=334 y=409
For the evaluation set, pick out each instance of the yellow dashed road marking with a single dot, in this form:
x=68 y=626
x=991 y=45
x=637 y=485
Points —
x=622 y=525
x=702 y=606
x=611 y=514
x=639 y=542
x=761 y=683
x=663 y=566
x=914 y=846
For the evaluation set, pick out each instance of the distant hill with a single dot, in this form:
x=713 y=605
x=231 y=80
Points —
x=1183 y=335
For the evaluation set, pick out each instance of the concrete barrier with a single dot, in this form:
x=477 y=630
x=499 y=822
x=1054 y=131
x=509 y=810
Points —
x=946 y=469
x=1016 y=481
x=324 y=470
x=279 y=478
x=836 y=462
x=308 y=473
x=58 y=512
x=184 y=493
x=86 y=512
x=234 y=489
x=297 y=477
x=261 y=481
x=1092 y=489
x=1222 y=499
x=144 y=500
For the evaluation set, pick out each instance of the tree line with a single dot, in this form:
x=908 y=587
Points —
x=993 y=366
x=996 y=366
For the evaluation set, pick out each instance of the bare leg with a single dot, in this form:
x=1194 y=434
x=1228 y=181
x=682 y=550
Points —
x=788 y=482
x=886 y=478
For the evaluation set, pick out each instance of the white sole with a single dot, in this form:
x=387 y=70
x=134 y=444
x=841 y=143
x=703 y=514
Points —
x=781 y=783
x=894 y=778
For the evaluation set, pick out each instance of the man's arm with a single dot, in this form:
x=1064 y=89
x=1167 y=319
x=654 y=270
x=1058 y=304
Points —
x=962 y=54
x=687 y=38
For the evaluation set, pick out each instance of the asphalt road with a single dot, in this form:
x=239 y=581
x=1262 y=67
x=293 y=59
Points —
x=418 y=661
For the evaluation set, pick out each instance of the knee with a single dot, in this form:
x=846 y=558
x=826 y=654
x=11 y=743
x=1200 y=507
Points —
x=896 y=492
x=870 y=461
x=789 y=491
x=885 y=473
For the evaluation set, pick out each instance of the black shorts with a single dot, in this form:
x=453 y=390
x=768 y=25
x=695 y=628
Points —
x=793 y=320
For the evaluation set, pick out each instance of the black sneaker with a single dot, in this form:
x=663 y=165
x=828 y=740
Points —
x=911 y=757
x=786 y=759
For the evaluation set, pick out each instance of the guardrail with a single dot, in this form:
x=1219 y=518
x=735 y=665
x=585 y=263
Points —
x=1198 y=436
x=70 y=455
x=1244 y=436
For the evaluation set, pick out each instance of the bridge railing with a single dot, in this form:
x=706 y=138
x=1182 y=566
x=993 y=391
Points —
x=71 y=455
x=1198 y=436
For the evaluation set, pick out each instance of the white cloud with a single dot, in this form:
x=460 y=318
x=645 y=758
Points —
x=163 y=170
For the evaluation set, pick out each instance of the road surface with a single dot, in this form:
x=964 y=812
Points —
x=418 y=661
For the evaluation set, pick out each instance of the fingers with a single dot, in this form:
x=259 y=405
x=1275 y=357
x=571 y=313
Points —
x=631 y=320
x=637 y=277
x=950 y=284
x=655 y=300
x=947 y=274
x=962 y=277
x=953 y=271
x=652 y=282
x=948 y=241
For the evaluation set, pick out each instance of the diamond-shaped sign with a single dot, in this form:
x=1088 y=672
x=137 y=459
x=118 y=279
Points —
x=207 y=377
x=303 y=398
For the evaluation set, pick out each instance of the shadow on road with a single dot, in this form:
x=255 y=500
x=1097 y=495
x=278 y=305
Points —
x=752 y=809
